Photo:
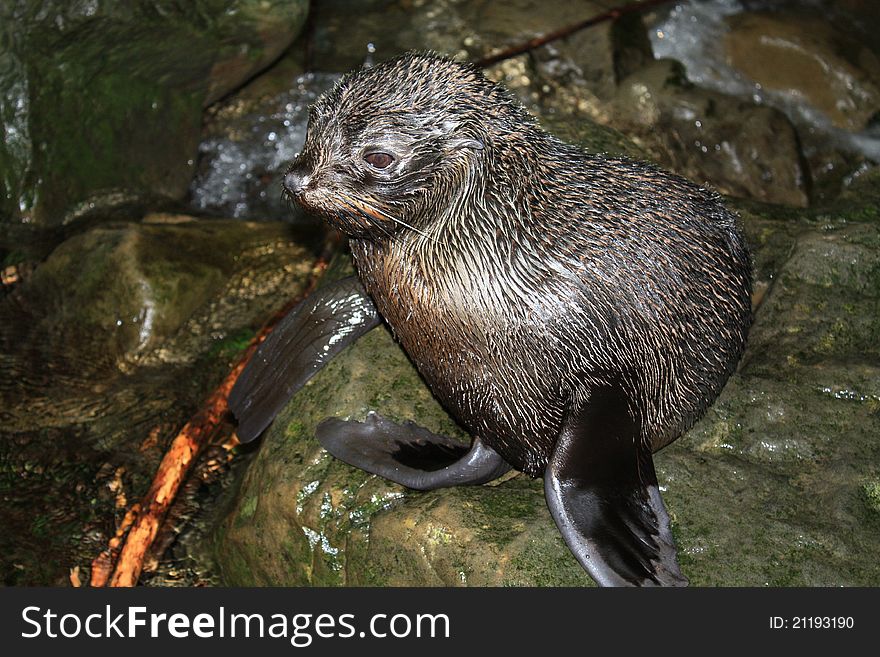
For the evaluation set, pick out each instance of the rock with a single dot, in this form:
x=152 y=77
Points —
x=733 y=145
x=116 y=294
x=776 y=481
x=102 y=104
x=249 y=140
x=106 y=350
x=468 y=30
x=807 y=57
x=729 y=143
x=775 y=64
x=632 y=47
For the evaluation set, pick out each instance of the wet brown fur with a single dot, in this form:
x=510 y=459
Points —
x=517 y=271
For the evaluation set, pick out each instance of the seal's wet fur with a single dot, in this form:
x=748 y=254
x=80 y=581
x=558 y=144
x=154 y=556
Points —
x=574 y=312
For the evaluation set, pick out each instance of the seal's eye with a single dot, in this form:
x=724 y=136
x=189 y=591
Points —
x=379 y=160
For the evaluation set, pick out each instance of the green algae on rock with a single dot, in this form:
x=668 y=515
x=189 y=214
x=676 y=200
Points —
x=771 y=489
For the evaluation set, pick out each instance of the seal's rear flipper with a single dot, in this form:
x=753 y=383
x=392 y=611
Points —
x=408 y=454
x=602 y=491
x=304 y=341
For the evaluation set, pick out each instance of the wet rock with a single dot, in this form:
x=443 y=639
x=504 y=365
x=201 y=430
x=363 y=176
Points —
x=249 y=140
x=735 y=146
x=791 y=60
x=102 y=104
x=728 y=142
x=106 y=350
x=806 y=57
x=468 y=30
x=773 y=486
x=632 y=47
x=115 y=295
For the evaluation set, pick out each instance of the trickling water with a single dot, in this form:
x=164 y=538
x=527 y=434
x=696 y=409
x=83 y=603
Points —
x=694 y=32
x=239 y=173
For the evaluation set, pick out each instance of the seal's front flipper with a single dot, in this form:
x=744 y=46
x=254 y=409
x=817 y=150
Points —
x=408 y=454
x=304 y=341
x=602 y=491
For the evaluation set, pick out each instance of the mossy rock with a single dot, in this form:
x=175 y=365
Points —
x=104 y=104
x=119 y=291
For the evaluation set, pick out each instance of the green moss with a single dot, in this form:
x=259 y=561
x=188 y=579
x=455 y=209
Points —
x=107 y=104
x=546 y=561
x=13 y=258
x=871 y=492
x=592 y=137
x=232 y=345
x=105 y=152
x=247 y=508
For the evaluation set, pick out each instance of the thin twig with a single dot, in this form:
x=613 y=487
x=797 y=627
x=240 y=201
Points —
x=561 y=33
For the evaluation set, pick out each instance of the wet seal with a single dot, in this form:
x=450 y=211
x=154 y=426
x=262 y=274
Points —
x=574 y=312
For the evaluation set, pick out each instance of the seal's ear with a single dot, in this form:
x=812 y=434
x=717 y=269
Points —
x=455 y=139
x=464 y=142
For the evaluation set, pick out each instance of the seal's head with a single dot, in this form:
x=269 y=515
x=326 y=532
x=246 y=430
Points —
x=391 y=146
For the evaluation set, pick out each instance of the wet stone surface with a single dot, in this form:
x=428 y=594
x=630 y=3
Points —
x=787 y=55
x=105 y=351
x=738 y=148
x=102 y=102
x=248 y=142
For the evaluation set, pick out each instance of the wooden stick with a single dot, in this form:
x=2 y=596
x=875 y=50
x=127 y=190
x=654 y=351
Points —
x=102 y=565
x=174 y=467
x=308 y=37
x=561 y=33
x=176 y=463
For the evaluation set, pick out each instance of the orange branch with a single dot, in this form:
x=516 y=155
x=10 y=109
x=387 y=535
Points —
x=170 y=475
x=102 y=565
x=174 y=468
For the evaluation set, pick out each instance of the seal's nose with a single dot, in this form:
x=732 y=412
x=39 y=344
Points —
x=297 y=177
x=294 y=181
